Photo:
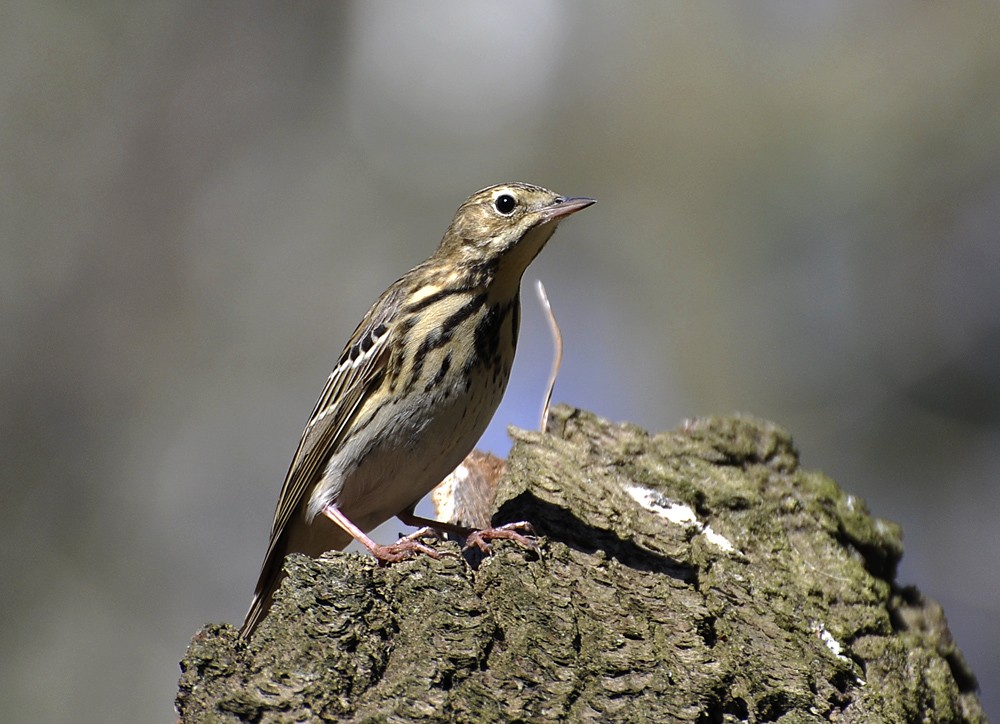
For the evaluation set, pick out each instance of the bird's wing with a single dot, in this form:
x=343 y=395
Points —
x=359 y=372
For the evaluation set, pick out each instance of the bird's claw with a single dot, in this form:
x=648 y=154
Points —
x=517 y=532
x=405 y=547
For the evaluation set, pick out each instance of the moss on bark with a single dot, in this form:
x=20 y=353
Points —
x=694 y=575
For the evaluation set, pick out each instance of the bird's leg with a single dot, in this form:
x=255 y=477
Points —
x=392 y=553
x=408 y=517
x=517 y=532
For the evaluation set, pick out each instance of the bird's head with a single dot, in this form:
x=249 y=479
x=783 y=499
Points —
x=506 y=226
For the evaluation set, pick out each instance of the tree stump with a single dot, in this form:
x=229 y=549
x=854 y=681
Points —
x=695 y=575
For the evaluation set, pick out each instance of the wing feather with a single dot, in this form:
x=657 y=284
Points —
x=359 y=371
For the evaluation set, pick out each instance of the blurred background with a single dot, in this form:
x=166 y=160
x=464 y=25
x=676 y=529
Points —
x=798 y=217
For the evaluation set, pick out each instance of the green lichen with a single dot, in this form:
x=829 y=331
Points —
x=633 y=608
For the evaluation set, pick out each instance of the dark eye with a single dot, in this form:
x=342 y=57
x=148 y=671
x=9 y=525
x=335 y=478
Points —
x=505 y=204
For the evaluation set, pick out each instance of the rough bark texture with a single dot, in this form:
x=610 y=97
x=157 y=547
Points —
x=695 y=575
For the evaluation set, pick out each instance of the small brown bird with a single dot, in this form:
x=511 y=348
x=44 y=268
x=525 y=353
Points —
x=415 y=387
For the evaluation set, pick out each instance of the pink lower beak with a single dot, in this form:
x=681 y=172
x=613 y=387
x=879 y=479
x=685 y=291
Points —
x=564 y=207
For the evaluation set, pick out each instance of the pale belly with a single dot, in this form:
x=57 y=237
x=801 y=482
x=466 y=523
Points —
x=418 y=450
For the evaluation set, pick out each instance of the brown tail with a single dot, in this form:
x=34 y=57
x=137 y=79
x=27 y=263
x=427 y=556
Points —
x=313 y=539
x=271 y=574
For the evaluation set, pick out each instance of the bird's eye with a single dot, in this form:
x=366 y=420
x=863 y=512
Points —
x=505 y=204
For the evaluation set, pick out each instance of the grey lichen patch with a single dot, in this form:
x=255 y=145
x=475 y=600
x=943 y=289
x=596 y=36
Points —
x=694 y=575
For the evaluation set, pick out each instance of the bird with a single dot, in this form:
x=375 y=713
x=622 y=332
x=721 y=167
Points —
x=415 y=387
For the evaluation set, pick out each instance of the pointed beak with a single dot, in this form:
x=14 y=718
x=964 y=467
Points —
x=562 y=208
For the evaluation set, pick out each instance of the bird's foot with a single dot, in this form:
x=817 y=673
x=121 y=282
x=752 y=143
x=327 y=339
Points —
x=405 y=547
x=517 y=532
x=392 y=553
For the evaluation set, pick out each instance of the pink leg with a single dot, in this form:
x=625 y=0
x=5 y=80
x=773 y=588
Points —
x=393 y=553
x=473 y=537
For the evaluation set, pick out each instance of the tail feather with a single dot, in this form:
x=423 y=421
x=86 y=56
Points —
x=271 y=574
x=313 y=539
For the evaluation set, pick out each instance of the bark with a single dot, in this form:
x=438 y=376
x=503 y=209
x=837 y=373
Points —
x=695 y=575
